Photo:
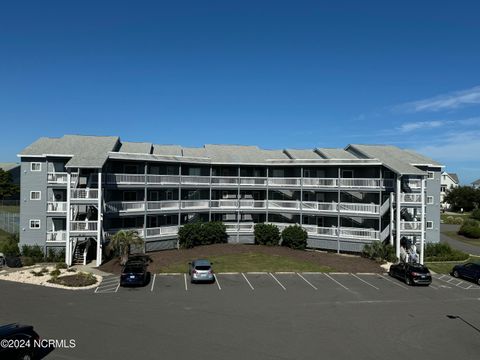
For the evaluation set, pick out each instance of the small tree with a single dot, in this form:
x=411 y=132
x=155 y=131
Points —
x=379 y=251
x=7 y=187
x=294 y=237
x=9 y=246
x=266 y=234
x=214 y=232
x=197 y=233
x=122 y=241
x=190 y=235
x=463 y=197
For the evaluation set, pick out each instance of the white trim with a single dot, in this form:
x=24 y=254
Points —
x=432 y=173
x=34 y=227
x=430 y=200
x=35 y=163
x=39 y=195
x=429 y=226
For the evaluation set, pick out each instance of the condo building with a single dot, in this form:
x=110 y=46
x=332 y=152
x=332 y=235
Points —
x=76 y=191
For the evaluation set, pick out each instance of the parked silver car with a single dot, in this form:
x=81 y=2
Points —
x=200 y=270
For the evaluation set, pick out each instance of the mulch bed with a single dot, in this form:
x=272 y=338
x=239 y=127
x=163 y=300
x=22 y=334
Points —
x=341 y=263
x=76 y=280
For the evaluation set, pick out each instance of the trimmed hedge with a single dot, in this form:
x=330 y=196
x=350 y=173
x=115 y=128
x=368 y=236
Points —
x=34 y=252
x=379 y=251
x=443 y=252
x=9 y=246
x=294 y=237
x=470 y=229
x=266 y=234
x=194 y=234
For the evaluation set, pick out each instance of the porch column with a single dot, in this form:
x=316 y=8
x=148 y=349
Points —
x=99 y=220
x=397 y=222
x=68 y=251
x=422 y=237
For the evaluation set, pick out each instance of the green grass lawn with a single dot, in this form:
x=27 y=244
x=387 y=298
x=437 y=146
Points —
x=446 y=266
x=246 y=262
x=454 y=235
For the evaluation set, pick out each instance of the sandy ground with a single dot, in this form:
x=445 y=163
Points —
x=25 y=276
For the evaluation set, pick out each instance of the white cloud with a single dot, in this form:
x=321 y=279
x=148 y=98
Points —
x=411 y=126
x=459 y=146
x=450 y=101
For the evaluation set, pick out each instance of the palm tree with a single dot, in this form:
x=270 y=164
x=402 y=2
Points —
x=121 y=242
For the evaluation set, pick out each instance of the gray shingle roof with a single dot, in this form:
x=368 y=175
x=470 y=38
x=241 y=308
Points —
x=8 y=166
x=93 y=151
x=476 y=182
x=135 y=147
x=454 y=177
x=395 y=159
x=86 y=151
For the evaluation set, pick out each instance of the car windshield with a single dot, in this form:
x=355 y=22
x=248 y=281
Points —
x=202 y=267
x=419 y=268
x=133 y=269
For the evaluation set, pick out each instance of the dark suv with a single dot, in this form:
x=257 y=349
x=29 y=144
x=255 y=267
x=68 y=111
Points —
x=412 y=274
x=134 y=273
x=20 y=342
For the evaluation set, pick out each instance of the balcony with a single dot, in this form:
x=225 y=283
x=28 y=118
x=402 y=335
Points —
x=253 y=181
x=411 y=198
x=162 y=231
x=410 y=226
x=195 y=180
x=125 y=206
x=195 y=204
x=239 y=227
x=83 y=226
x=224 y=204
x=163 y=205
x=84 y=194
x=319 y=206
x=110 y=232
x=359 y=233
x=57 y=236
x=359 y=208
x=124 y=179
x=320 y=182
x=163 y=179
x=284 y=182
x=57 y=207
x=225 y=181
x=60 y=177
x=363 y=183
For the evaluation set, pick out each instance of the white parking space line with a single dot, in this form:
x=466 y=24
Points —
x=217 y=282
x=228 y=273
x=167 y=274
x=308 y=282
x=364 y=281
x=153 y=281
x=331 y=278
x=394 y=282
x=185 y=277
x=279 y=283
x=248 y=282
x=117 y=286
x=257 y=273
x=285 y=272
x=433 y=287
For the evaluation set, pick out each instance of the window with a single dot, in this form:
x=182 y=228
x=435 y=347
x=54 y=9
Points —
x=34 y=224
x=431 y=175
x=169 y=194
x=348 y=174
x=430 y=200
x=443 y=188
x=35 y=166
x=35 y=195
x=429 y=224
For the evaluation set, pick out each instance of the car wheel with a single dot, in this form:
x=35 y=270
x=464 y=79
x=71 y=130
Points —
x=408 y=281
x=478 y=281
x=456 y=274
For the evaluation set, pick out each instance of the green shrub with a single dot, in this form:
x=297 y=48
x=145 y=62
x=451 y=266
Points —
x=379 y=251
x=266 y=234
x=59 y=266
x=33 y=251
x=27 y=261
x=470 y=229
x=55 y=255
x=294 y=237
x=457 y=220
x=443 y=252
x=9 y=246
x=55 y=273
x=194 y=234
x=476 y=214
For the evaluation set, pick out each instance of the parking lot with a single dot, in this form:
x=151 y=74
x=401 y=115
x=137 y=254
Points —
x=255 y=316
x=326 y=285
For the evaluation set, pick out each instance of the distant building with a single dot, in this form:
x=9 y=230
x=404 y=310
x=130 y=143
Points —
x=476 y=184
x=448 y=181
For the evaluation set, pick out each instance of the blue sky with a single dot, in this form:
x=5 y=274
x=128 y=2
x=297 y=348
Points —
x=278 y=74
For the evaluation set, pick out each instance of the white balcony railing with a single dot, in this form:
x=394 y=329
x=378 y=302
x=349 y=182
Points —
x=83 y=226
x=284 y=182
x=57 y=206
x=319 y=206
x=410 y=225
x=411 y=198
x=253 y=181
x=252 y=204
x=359 y=208
x=361 y=183
x=163 y=205
x=320 y=182
x=110 y=232
x=162 y=231
x=84 y=194
x=359 y=233
x=284 y=204
x=224 y=180
x=224 y=204
x=239 y=227
x=163 y=179
x=60 y=235
x=414 y=183
x=124 y=179
x=195 y=180
x=125 y=206
x=60 y=177
x=195 y=204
